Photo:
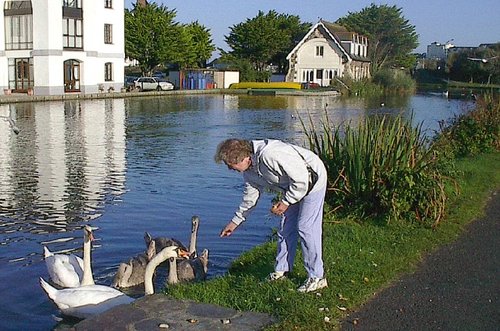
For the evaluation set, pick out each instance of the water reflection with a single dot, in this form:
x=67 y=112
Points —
x=68 y=160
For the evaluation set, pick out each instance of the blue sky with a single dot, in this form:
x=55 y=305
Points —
x=467 y=22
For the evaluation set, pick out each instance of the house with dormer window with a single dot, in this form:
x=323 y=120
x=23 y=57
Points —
x=50 y=47
x=326 y=52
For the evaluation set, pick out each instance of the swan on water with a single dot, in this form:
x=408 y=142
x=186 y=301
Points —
x=88 y=299
x=131 y=273
x=66 y=270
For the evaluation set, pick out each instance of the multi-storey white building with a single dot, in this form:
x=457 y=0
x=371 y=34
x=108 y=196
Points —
x=53 y=47
x=437 y=51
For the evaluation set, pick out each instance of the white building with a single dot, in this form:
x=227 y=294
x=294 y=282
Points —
x=51 y=47
x=438 y=51
x=327 y=51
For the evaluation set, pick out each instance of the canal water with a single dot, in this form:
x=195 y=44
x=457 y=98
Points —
x=133 y=165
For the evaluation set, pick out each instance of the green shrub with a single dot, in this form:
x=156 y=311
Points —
x=382 y=167
x=472 y=133
x=394 y=81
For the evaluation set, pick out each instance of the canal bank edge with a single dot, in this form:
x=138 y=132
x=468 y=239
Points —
x=159 y=311
x=19 y=98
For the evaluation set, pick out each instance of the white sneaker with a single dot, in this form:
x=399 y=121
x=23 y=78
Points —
x=312 y=284
x=276 y=275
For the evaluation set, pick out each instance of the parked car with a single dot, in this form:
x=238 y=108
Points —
x=152 y=83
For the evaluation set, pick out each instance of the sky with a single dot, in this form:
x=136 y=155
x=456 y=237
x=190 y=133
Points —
x=464 y=22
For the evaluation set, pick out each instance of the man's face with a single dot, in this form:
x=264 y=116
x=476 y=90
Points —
x=241 y=166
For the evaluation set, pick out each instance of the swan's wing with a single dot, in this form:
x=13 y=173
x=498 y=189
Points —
x=77 y=263
x=84 y=295
x=185 y=270
x=63 y=271
x=87 y=310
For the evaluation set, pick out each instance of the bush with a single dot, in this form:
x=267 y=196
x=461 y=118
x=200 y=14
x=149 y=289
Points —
x=472 y=133
x=383 y=167
x=394 y=81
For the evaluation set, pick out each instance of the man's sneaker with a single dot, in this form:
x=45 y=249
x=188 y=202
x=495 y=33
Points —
x=276 y=275
x=312 y=284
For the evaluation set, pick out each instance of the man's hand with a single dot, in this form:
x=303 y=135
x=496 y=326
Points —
x=279 y=208
x=228 y=229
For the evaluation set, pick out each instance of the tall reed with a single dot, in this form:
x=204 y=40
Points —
x=381 y=167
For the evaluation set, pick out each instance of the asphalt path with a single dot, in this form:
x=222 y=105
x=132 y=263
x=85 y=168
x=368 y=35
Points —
x=455 y=288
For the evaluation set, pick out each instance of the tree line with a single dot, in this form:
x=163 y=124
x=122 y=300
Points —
x=153 y=37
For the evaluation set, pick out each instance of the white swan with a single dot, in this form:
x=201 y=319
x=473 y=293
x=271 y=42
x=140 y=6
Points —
x=166 y=253
x=88 y=299
x=66 y=270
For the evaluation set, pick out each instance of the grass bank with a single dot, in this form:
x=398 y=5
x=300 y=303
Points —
x=360 y=259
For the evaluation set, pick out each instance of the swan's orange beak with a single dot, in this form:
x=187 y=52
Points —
x=183 y=253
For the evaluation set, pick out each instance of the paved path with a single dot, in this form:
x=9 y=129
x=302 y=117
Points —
x=455 y=288
x=159 y=312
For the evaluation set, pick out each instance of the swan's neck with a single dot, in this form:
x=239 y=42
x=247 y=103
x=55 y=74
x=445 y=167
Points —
x=172 y=272
x=151 y=266
x=194 y=235
x=88 y=278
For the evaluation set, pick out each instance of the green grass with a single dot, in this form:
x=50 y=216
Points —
x=360 y=259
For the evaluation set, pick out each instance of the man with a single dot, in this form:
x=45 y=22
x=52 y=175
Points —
x=300 y=176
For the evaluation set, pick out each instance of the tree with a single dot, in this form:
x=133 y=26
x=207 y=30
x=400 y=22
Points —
x=481 y=65
x=202 y=44
x=265 y=38
x=295 y=31
x=151 y=36
x=391 y=37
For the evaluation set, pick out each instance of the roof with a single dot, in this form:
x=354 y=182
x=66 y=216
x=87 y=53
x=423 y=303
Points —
x=311 y=31
x=337 y=33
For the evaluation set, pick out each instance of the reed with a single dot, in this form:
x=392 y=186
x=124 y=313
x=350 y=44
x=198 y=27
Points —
x=382 y=167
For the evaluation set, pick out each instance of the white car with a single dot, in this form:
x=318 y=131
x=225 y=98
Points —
x=152 y=83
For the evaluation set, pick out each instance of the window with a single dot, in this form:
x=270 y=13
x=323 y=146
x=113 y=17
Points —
x=319 y=73
x=72 y=33
x=21 y=74
x=72 y=24
x=108 y=3
x=108 y=33
x=72 y=3
x=18 y=25
x=108 y=71
x=319 y=51
x=71 y=76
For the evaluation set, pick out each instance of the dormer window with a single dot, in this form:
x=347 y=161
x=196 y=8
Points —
x=319 y=51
